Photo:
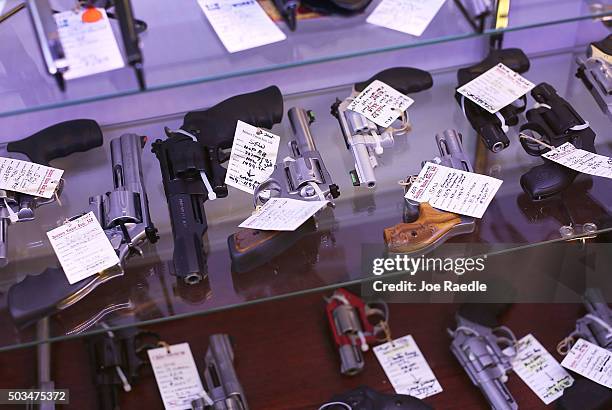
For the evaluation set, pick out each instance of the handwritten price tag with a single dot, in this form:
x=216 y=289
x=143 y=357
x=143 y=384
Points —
x=581 y=160
x=29 y=178
x=407 y=16
x=380 y=103
x=590 y=361
x=283 y=214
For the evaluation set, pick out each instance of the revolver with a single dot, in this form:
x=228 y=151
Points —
x=301 y=176
x=349 y=320
x=492 y=128
x=124 y=215
x=364 y=138
x=190 y=160
x=365 y=398
x=425 y=228
x=596 y=73
x=56 y=141
x=476 y=12
x=595 y=327
x=220 y=378
x=549 y=125
x=485 y=350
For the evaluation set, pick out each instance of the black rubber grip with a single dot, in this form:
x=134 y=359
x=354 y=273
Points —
x=365 y=398
x=59 y=140
x=585 y=395
x=513 y=58
x=485 y=314
x=37 y=296
x=546 y=180
x=216 y=125
x=403 y=79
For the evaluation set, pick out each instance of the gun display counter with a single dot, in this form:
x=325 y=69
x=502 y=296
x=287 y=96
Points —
x=161 y=168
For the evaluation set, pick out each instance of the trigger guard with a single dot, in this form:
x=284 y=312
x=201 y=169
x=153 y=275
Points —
x=535 y=128
x=270 y=185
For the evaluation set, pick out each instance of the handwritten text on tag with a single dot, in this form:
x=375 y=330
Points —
x=29 y=178
x=380 y=103
x=590 y=361
x=283 y=214
x=581 y=160
x=407 y=16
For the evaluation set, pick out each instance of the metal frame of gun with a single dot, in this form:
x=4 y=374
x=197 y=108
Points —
x=366 y=398
x=349 y=322
x=425 y=228
x=288 y=10
x=124 y=215
x=220 y=377
x=596 y=73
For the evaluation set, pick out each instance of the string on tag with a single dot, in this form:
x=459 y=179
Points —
x=13 y=217
x=161 y=343
x=387 y=330
x=537 y=141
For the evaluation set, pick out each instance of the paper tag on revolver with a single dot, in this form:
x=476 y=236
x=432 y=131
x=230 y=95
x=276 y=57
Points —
x=406 y=368
x=540 y=371
x=29 y=178
x=581 y=160
x=407 y=16
x=590 y=361
x=177 y=376
x=253 y=157
x=453 y=190
x=90 y=47
x=380 y=103
x=496 y=88
x=282 y=214
x=82 y=247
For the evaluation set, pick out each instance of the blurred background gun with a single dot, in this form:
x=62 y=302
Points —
x=485 y=351
x=595 y=327
x=288 y=10
x=123 y=213
x=424 y=228
x=190 y=161
x=301 y=176
x=220 y=378
x=478 y=13
x=549 y=125
x=349 y=320
x=56 y=141
x=596 y=73
x=364 y=138
x=492 y=128
x=365 y=398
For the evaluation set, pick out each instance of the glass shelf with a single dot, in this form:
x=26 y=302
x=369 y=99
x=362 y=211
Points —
x=180 y=48
x=331 y=258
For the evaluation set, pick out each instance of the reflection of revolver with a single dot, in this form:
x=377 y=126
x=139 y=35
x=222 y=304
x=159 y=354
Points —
x=424 y=227
x=596 y=73
x=485 y=351
x=220 y=377
x=476 y=12
x=56 y=141
x=301 y=176
x=365 y=398
x=124 y=216
x=492 y=128
x=190 y=160
x=349 y=321
x=553 y=123
x=364 y=138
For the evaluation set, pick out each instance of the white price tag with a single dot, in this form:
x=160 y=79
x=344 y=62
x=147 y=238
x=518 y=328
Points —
x=241 y=24
x=406 y=368
x=453 y=190
x=407 y=16
x=540 y=371
x=82 y=247
x=581 y=160
x=90 y=47
x=2 y=3
x=29 y=178
x=252 y=158
x=283 y=214
x=380 y=103
x=177 y=376
x=590 y=361
x=496 y=88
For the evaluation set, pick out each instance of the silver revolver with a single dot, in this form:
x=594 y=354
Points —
x=220 y=377
x=596 y=73
x=123 y=213
x=596 y=325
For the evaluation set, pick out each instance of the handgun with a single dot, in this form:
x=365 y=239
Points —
x=485 y=350
x=124 y=215
x=301 y=176
x=190 y=159
x=424 y=228
x=288 y=10
x=366 y=398
x=220 y=377
x=475 y=12
x=596 y=73
x=551 y=124
x=364 y=138
x=43 y=365
x=56 y=141
x=492 y=128
x=349 y=320
x=595 y=327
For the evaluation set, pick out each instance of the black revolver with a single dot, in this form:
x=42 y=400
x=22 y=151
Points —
x=365 y=398
x=553 y=123
x=190 y=160
x=490 y=127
